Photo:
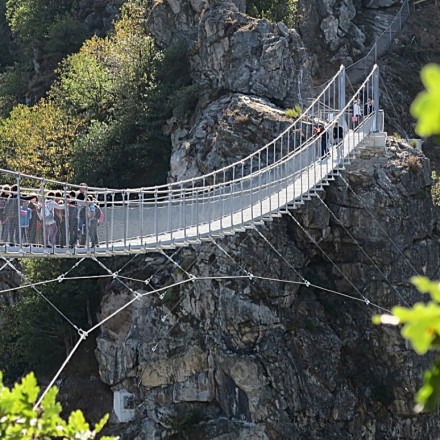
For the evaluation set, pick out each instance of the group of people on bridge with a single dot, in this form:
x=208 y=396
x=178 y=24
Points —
x=56 y=219
x=336 y=135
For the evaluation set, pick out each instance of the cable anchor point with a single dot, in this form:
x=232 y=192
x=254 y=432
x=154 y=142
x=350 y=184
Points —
x=82 y=334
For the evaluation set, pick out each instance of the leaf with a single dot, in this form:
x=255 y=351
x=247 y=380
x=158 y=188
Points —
x=421 y=324
x=77 y=422
x=425 y=108
x=428 y=397
x=425 y=285
x=100 y=424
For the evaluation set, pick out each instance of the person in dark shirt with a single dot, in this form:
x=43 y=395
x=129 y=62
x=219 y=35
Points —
x=338 y=133
x=368 y=107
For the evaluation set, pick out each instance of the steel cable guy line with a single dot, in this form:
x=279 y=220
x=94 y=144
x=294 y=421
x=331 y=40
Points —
x=366 y=300
x=23 y=276
x=83 y=334
x=249 y=274
x=380 y=226
x=189 y=275
x=363 y=250
x=306 y=282
x=116 y=276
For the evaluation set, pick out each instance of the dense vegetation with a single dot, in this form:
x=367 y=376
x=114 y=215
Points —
x=34 y=323
x=107 y=106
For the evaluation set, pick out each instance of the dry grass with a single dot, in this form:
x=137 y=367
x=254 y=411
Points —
x=413 y=163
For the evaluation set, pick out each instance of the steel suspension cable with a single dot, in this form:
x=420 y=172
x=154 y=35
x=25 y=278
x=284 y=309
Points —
x=380 y=226
x=362 y=250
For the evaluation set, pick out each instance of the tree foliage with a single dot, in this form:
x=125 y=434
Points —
x=426 y=106
x=275 y=11
x=32 y=322
x=38 y=140
x=20 y=420
x=30 y=19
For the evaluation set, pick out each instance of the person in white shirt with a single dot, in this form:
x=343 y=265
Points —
x=49 y=221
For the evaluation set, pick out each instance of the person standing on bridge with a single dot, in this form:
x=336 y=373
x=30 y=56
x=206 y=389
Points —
x=3 y=214
x=81 y=200
x=49 y=221
x=35 y=222
x=357 y=114
x=320 y=131
x=72 y=218
x=12 y=210
x=368 y=107
x=93 y=213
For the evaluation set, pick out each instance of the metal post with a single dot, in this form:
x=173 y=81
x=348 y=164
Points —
x=341 y=89
x=141 y=204
x=156 y=207
x=376 y=97
x=18 y=225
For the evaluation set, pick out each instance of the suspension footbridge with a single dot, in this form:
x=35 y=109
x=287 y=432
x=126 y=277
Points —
x=279 y=176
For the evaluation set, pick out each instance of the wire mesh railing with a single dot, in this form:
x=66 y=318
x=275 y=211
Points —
x=360 y=68
x=45 y=217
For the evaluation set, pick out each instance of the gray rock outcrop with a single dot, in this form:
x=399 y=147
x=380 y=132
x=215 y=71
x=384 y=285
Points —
x=242 y=55
x=253 y=358
x=375 y=4
x=234 y=53
x=228 y=128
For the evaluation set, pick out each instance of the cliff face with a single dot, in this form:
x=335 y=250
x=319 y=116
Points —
x=267 y=356
x=263 y=359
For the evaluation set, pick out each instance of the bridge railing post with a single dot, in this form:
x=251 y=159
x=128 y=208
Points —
x=18 y=232
x=376 y=79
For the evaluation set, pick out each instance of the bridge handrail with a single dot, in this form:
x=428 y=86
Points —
x=382 y=36
x=168 y=187
x=293 y=153
x=166 y=193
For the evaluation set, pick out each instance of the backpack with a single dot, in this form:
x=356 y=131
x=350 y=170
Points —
x=99 y=214
x=48 y=213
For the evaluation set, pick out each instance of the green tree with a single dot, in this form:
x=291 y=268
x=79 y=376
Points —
x=21 y=420
x=32 y=322
x=113 y=83
x=38 y=140
x=30 y=19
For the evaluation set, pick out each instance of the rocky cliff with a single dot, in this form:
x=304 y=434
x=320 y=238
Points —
x=264 y=359
x=287 y=350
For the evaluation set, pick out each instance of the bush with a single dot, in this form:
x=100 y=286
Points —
x=275 y=11
x=64 y=36
x=294 y=112
x=21 y=419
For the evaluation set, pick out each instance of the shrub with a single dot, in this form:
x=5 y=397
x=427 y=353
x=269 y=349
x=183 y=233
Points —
x=294 y=112
x=275 y=11
x=413 y=164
